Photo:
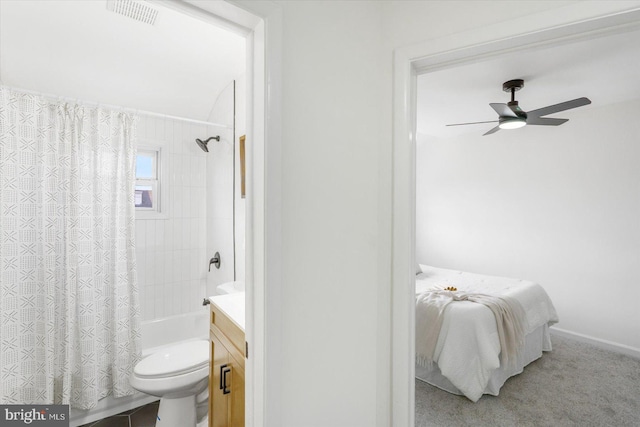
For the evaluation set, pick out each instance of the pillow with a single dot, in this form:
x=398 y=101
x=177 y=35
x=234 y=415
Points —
x=418 y=268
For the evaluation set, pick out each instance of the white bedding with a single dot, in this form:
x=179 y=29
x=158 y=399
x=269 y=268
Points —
x=467 y=351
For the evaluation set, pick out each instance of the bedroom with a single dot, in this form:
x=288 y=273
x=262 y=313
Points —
x=554 y=205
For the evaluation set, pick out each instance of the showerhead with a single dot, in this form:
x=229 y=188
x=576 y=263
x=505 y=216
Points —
x=203 y=144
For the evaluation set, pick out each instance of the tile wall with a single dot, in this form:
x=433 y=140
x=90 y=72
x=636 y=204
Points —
x=220 y=197
x=172 y=252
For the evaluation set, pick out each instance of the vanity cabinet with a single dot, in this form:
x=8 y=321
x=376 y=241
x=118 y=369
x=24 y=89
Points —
x=226 y=376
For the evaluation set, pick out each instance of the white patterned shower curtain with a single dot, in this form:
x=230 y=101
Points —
x=69 y=309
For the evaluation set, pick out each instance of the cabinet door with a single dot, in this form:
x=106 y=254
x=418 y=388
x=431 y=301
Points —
x=236 y=400
x=218 y=401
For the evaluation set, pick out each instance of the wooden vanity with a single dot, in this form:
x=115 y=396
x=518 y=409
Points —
x=228 y=351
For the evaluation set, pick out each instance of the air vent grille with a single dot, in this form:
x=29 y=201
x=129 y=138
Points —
x=138 y=10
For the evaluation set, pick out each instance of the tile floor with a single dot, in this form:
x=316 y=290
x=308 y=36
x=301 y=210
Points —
x=144 y=416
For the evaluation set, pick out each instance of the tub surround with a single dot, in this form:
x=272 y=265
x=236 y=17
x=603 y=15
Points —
x=172 y=252
x=170 y=330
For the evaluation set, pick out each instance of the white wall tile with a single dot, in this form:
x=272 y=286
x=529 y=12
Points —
x=161 y=234
x=169 y=301
x=154 y=268
x=183 y=301
x=173 y=234
x=162 y=265
x=173 y=253
x=176 y=147
x=151 y=235
x=141 y=273
x=146 y=302
x=158 y=303
x=194 y=264
x=141 y=234
x=168 y=131
x=202 y=287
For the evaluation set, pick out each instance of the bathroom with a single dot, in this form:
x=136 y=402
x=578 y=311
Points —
x=93 y=53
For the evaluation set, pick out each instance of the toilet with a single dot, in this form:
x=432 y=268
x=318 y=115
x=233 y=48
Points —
x=177 y=374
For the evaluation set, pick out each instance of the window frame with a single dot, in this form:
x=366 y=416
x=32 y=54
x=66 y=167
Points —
x=160 y=185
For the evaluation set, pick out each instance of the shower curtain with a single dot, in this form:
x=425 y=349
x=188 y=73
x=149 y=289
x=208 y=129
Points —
x=69 y=310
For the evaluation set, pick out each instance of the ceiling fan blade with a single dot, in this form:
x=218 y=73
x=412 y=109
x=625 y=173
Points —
x=545 y=121
x=494 y=130
x=503 y=110
x=574 y=103
x=472 y=123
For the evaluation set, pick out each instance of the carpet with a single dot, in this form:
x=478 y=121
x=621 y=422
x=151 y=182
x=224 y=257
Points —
x=576 y=384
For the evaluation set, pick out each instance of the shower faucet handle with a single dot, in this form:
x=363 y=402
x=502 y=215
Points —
x=215 y=261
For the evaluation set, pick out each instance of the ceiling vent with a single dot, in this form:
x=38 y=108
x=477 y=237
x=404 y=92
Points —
x=138 y=10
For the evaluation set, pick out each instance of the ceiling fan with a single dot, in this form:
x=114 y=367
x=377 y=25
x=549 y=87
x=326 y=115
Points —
x=511 y=116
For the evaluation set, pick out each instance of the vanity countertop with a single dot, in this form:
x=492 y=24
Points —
x=232 y=305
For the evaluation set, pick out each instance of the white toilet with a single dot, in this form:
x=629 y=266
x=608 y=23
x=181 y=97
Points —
x=176 y=374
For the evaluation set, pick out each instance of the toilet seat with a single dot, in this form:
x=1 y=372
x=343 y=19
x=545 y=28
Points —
x=174 y=360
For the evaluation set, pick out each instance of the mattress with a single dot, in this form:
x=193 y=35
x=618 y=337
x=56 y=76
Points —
x=466 y=359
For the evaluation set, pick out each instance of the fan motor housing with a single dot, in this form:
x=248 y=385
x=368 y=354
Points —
x=514 y=85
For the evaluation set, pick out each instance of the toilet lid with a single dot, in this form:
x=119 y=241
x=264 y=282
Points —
x=173 y=360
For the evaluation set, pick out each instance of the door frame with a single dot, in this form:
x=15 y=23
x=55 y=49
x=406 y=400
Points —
x=547 y=28
x=261 y=24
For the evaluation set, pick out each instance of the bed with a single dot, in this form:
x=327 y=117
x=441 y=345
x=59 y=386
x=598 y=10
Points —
x=461 y=352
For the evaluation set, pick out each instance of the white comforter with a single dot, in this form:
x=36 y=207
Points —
x=468 y=346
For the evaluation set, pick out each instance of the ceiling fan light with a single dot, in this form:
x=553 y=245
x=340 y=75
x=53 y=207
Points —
x=512 y=123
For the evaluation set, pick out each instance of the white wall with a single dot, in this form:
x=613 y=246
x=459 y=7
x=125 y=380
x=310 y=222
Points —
x=171 y=253
x=336 y=198
x=415 y=21
x=558 y=206
x=331 y=127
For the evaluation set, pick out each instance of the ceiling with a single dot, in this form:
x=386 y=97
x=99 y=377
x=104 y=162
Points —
x=603 y=69
x=79 y=49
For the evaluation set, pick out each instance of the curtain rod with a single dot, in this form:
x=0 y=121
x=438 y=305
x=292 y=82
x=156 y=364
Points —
x=114 y=107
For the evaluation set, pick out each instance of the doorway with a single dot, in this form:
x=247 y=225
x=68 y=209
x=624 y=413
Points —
x=408 y=64
x=251 y=24
x=261 y=23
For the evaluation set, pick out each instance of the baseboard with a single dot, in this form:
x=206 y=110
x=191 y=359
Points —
x=607 y=345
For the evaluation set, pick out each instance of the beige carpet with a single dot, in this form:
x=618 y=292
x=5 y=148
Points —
x=576 y=384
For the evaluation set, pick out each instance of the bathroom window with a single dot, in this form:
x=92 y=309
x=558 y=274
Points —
x=150 y=187
x=147 y=180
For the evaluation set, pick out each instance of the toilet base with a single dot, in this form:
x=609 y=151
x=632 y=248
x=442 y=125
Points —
x=180 y=411
x=203 y=422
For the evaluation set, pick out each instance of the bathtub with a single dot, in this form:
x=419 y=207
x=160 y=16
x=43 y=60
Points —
x=155 y=334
